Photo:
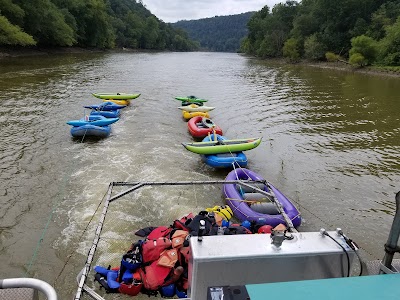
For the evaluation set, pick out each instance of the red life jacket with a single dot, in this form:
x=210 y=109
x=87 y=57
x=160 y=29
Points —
x=156 y=276
x=183 y=222
x=158 y=232
x=151 y=249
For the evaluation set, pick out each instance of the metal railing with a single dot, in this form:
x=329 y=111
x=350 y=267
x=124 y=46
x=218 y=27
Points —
x=32 y=283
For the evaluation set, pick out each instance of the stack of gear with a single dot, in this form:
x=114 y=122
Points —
x=158 y=263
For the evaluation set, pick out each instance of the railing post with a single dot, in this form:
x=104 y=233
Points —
x=391 y=246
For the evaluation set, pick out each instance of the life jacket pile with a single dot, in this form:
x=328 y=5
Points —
x=159 y=261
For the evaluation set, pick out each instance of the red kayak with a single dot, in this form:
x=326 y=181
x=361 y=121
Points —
x=200 y=127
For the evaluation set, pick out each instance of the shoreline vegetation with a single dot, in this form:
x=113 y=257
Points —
x=14 y=52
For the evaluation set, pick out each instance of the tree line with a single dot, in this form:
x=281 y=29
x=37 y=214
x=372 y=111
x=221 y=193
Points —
x=87 y=23
x=360 y=32
x=219 y=33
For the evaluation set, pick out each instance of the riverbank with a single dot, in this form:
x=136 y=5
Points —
x=372 y=70
x=12 y=52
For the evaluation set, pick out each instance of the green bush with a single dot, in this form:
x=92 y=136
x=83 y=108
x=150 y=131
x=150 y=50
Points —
x=313 y=49
x=357 y=59
x=290 y=50
x=366 y=46
x=330 y=56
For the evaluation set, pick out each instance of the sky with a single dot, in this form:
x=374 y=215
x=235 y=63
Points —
x=175 y=10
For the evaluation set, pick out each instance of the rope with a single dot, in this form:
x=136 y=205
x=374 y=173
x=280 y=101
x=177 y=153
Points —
x=247 y=201
x=56 y=203
x=84 y=135
x=80 y=238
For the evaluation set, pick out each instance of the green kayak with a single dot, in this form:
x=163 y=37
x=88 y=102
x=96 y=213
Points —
x=116 y=96
x=223 y=146
x=190 y=99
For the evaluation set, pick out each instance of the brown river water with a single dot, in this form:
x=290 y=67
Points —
x=331 y=143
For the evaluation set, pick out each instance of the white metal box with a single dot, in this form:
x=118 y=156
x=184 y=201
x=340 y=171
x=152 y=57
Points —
x=251 y=258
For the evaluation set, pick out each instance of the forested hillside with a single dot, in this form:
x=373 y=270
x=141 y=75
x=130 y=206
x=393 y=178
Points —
x=87 y=23
x=360 y=31
x=222 y=33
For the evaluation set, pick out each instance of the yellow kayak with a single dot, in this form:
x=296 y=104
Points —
x=120 y=102
x=188 y=115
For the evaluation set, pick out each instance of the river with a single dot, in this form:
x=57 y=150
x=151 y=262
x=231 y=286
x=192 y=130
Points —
x=331 y=143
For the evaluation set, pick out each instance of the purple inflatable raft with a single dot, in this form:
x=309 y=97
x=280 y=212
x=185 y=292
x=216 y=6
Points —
x=247 y=204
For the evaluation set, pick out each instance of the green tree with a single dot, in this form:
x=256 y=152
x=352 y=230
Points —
x=366 y=46
x=45 y=22
x=13 y=12
x=13 y=35
x=390 y=45
x=383 y=17
x=150 y=34
x=290 y=50
x=357 y=59
x=313 y=49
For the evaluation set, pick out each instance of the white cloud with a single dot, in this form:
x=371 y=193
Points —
x=175 y=10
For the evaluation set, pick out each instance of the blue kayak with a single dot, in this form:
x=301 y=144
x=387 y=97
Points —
x=106 y=113
x=106 y=106
x=223 y=160
x=93 y=120
x=91 y=130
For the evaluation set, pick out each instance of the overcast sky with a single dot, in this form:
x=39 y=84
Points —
x=174 y=10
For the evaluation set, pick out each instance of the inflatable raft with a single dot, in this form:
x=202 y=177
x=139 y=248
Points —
x=91 y=130
x=116 y=96
x=223 y=160
x=190 y=99
x=184 y=103
x=106 y=106
x=188 y=115
x=223 y=146
x=200 y=127
x=95 y=120
x=249 y=205
x=106 y=113
x=196 y=108
x=119 y=102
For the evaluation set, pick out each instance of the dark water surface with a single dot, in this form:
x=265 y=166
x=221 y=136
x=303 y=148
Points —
x=331 y=143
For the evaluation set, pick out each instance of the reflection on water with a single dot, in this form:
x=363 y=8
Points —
x=330 y=142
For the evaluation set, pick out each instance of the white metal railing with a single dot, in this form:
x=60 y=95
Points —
x=44 y=287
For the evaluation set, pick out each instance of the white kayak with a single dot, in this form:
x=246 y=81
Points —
x=196 y=108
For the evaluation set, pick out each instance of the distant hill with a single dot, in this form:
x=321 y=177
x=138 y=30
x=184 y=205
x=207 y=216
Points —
x=220 y=33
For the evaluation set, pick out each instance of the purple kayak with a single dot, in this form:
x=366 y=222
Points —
x=263 y=212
